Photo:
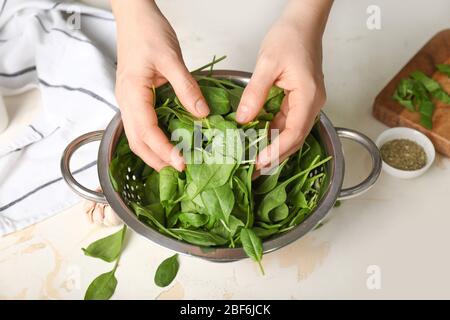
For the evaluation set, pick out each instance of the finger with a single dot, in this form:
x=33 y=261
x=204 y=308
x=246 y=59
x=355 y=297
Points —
x=256 y=92
x=299 y=120
x=139 y=118
x=151 y=158
x=282 y=157
x=157 y=141
x=185 y=87
x=279 y=122
x=285 y=142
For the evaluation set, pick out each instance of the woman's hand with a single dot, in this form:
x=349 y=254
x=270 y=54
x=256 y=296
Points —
x=291 y=58
x=149 y=55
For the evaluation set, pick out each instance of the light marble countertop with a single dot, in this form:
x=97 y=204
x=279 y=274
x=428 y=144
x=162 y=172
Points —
x=399 y=226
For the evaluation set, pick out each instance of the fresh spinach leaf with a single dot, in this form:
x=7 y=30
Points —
x=252 y=246
x=168 y=184
x=108 y=248
x=217 y=99
x=167 y=271
x=195 y=220
x=199 y=237
x=103 y=287
x=219 y=202
x=427 y=82
x=444 y=68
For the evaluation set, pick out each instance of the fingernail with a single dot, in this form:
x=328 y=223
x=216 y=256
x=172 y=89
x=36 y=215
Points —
x=178 y=163
x=242 y=114
x=202 y=108
x=262 y=161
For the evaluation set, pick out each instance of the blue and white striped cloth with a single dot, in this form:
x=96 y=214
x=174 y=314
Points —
x=43 y=46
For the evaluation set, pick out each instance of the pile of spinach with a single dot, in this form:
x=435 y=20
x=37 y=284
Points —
x=220 y=205
x=416 y=93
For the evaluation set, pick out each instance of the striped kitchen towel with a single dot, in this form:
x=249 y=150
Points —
x=67 y=50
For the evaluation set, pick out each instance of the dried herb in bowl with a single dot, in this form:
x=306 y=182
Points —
x=404 y=154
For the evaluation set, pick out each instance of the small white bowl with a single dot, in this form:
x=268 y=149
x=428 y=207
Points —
x=413 y=135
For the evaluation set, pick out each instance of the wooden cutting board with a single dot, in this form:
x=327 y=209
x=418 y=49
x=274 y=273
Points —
x=388 y=111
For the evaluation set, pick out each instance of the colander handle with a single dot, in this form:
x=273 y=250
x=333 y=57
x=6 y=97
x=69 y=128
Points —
x=67 y=173
x=370 y=146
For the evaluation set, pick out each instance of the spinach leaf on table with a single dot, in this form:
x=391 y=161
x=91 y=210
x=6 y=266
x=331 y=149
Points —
x=103 y=287
x=167 y=271
x=108 y=248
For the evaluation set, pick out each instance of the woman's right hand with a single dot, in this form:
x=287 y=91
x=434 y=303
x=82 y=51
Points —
x=149 y=55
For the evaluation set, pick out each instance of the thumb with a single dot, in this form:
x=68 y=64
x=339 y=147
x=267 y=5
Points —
x=186 y=88
x=255 y=93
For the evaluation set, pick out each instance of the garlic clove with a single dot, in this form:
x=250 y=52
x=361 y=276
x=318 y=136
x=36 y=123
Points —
x=111 y=218
x=98 y=213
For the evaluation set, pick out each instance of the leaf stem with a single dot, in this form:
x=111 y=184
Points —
x=211 y=64
x=261 y=268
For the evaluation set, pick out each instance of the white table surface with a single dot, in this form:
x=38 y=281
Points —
x=400 y=226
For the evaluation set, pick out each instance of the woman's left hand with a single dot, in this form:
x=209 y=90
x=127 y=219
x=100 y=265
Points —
x=290 y=58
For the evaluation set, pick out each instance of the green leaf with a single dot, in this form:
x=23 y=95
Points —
x=141 y=211
x=207 y=176
x=114 y=173
x=444 y=68
x=430 y=84
x=193 y=219
x=297 y=198
x=266 y=183
x=274 y=92
x=280 y=213
x=407 y=103
x=315 y=150
x=252 y=246
x=426 y=121
x=234 y=96
x=108 y=248
x=217 y=99
x=168 y=184
x=274 y=100
x=219 y=202
x=264 y=233
x=277 y=196
x=299 y=217
x=442 y=96
x=185 y=131
x=122 y=147
x=103 y=287
x=199 y=238
x=426 y=108
x=152 y=188
x=167 y=271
